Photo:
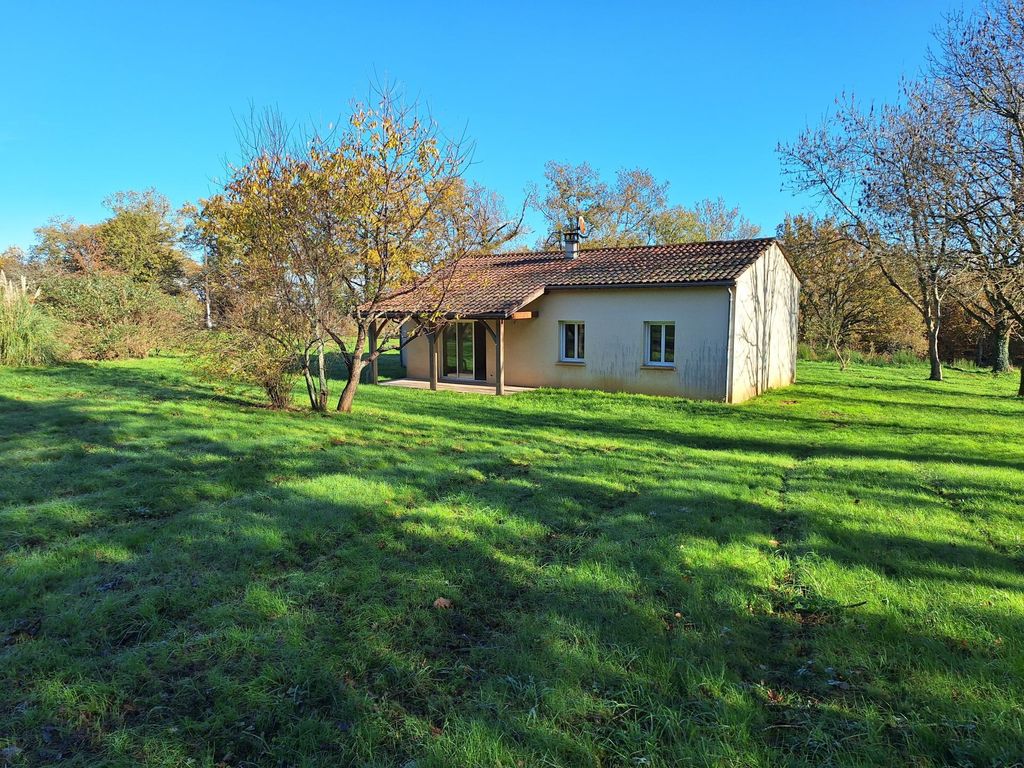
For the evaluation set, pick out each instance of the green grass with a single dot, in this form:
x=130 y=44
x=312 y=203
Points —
x=832 y=574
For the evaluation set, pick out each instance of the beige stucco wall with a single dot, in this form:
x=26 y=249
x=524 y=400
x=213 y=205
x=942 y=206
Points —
x=614 y=320
x=765 y=327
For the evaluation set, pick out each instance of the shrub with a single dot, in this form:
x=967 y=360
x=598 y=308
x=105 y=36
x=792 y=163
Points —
x=805 y=351
x=28 y=336
x=965 y=364
x=905 y=357
x=249 y=359
x=108 y=315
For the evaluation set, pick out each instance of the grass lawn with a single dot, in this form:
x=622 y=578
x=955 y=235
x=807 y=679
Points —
x=832 y=574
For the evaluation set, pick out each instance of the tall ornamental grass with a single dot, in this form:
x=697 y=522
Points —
x=28 y=336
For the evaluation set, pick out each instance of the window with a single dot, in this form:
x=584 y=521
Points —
x=660 y=344
x=572 y=342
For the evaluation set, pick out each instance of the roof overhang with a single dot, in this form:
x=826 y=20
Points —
x=533 y=296
x=393 y=315
x=615 y=286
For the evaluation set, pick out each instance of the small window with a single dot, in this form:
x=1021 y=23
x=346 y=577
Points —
x=660 y=344
x=572 y=342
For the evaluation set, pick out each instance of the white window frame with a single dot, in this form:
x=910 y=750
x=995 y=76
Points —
x=562 y=324
x=647 y=344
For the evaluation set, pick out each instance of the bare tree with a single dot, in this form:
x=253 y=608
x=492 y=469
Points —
x=717 y=221
x=617 y=214
x=979 y=62
x=877 y=171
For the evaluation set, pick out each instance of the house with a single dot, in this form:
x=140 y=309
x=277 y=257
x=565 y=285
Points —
x=712 y=320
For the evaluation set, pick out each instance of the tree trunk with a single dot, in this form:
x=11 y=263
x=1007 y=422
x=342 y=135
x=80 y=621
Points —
x=321 y=363
x=1001 y=356
x=277 y=395
x=1020 y=389
x=355 y=370
x=933 y=351
x=209 y=310
x=310 y=386
x=348 y=394
x=844 y=360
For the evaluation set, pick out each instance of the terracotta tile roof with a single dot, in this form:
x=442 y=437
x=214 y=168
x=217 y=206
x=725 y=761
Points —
x=499 y=284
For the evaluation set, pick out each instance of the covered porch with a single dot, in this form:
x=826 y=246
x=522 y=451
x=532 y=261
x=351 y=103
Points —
x=467 y=387
x=464 y=353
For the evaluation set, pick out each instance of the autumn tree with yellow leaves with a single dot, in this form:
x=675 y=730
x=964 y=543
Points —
x=312 y=232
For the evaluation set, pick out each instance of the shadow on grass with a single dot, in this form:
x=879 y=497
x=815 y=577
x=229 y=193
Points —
x=188 y=586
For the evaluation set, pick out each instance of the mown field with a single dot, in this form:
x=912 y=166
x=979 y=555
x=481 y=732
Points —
x=832 y=574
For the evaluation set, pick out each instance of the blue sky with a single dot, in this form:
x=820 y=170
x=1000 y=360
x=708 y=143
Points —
x=96 y=98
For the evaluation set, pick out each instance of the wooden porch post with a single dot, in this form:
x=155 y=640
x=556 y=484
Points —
x=499 y=358
x=373 y=348
x=432 y=344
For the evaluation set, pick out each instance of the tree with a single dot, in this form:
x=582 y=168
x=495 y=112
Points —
x=118 y=286
x=267 y=258
x=844 y=300
x=982 y=301
x=677 y=224
x=616 y=214
x=12 y=258
x=631 y=211
x=203 y=240
x=979 y=63
x=142 y=239
x=64 y=244
x=311 y=234
x=410 y=213
x=259 y=338
x=881 y=174
x=706 y=220
x=716 y=221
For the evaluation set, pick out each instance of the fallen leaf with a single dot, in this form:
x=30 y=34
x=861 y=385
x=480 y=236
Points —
x=442 y=602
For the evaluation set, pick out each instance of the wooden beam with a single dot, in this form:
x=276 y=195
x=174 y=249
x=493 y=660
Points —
x=524 y=315
x=432 y=344
x=373 y=348
x=499 y=358
x=490 y=331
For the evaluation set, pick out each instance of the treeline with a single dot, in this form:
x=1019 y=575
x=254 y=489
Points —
x=120 y=288
x=848 y=309
x=632 y=209
x=927 y=193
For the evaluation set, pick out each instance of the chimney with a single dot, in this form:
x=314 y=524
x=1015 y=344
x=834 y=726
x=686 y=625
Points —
x=571 y=238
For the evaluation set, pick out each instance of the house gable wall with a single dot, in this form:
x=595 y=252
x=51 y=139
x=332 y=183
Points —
x=765 y=326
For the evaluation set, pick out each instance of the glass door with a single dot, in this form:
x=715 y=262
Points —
x=458 y=350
